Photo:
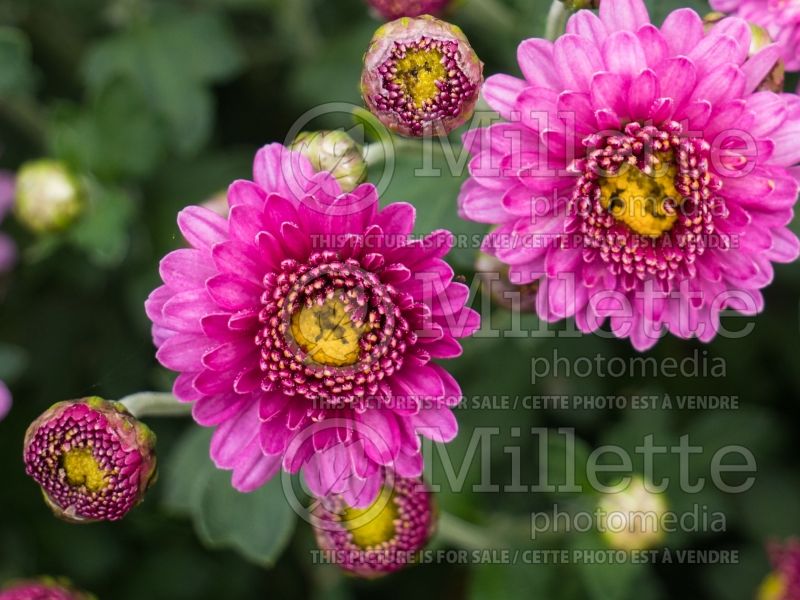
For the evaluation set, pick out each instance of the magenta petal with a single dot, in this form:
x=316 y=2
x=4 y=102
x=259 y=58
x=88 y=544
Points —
x=623 y=53
x=577 y=59
x=231 y=292
x=759 y=66
x=214 y=410
x=501 y=91
x=535 y=58
x=254 y=468
x=202 y=227
x=182 y=352
x=397 y=219
x=246 y=193
x=233 y=436
x=589 y=26
x=683 y=29
x=436 y=423
x=624 y=15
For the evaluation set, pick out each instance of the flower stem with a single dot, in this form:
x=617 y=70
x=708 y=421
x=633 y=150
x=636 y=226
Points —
x=155 y=404
x=556 y=20
x=462 y=534
x=375 y=153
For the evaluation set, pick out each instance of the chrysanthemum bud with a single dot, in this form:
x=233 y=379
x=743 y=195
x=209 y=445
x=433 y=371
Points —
x=335 y=152
x=383 y=538
x=49 y=196
x=45 y=588
x=784 y=581
x=394 y=9
x=421 y=76
x=493 y=274
x=631 y=519
x=759 y=40
x=93 y=460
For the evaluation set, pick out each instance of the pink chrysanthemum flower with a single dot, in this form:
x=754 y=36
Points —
x=639 y=177
x=781 y=19
x=45 y=588
x=784 y=582
x=93 y=460
x=304 y=327
x=382 y=538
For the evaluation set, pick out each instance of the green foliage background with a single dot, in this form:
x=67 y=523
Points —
x=160 y=104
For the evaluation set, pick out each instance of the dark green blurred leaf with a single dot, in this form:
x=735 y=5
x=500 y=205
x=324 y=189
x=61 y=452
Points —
x=12 y=362
x=115 y=137
x=505 y=582
x=606 y=581
x=16 y=69
x=103 y=231
x=258 y=525
x=172 y=70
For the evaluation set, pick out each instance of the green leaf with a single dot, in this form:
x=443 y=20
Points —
x=103 y=231
x=501 y=582
x=16 y=70
x=114 y=137
x=12 y=362
x=172 y=70
x=606 y=581
x=257 y=525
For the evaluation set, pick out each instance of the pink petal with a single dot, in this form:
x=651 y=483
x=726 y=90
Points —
x=202 y=227
x=535 y=58
x=624 y=15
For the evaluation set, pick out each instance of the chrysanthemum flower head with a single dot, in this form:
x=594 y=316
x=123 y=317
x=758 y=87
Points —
x=305 y=327
x=93 y=460
x=781 y=19
x=784 y=581
x=630 y=519
x=49 y=196
x=639 y=177
x=421 y=76
x=381 y=538
x=45 y=588
x=394 y=9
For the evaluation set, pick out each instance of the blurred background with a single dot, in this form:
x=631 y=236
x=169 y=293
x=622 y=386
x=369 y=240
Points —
x=158 y=105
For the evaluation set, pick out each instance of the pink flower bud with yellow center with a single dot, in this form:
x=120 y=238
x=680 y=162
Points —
x=45 y=588
x=421 y=76
x=384 y=537
x=93 y=460
x=394 y=9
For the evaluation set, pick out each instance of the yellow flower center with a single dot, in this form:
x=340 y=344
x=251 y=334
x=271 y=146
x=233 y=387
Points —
x=374 y=525
x=646 y=203
x=773 y=588
x=327 y=333
x=82 y=468
x=417 y=74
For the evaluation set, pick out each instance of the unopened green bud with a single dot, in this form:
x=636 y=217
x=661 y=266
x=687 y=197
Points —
x=335 y=152
x=49 y=196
